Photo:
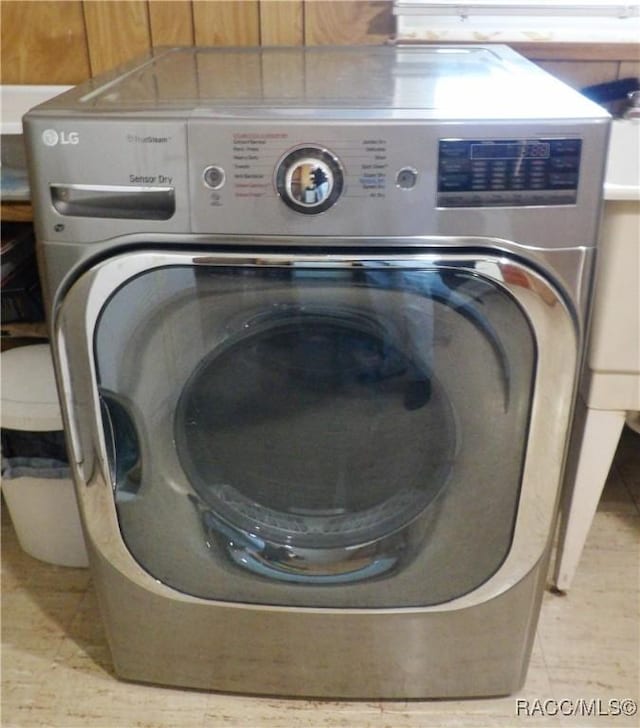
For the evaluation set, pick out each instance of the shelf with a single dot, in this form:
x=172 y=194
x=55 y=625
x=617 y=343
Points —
x=36 y=330
x=16 y=212
x=17 y=100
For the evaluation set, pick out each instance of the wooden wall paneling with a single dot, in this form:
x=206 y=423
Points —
x=581 y=74
x=629 y=69
x=226 y=23
x=116 y=32
x=281 y=22
x=171 y=22
x=43 y=43
x=348 y=22
x=579 y=51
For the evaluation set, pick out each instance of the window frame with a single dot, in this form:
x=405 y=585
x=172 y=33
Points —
x=614 y=22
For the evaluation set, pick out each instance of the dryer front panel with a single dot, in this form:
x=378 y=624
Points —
x=355 y=433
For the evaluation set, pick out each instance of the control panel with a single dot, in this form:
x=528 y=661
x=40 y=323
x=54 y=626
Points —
x=317 y=178
x=508 y=172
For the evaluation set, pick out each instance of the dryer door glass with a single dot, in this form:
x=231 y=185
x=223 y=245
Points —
x=316 y=436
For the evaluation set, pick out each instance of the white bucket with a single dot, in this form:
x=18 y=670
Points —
x=45 y=516
x=43 y=509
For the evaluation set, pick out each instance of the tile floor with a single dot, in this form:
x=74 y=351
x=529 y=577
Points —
x=56 y=670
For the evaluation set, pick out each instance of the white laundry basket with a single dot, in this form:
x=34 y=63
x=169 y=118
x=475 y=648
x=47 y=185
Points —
x=38 y=491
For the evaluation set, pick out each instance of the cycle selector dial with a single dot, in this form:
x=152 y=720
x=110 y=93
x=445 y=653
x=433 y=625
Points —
x=309 y=180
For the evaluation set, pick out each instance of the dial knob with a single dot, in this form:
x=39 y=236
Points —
x=309 y=180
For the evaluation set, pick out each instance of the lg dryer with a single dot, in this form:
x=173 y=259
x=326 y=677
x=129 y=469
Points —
x=317 y=317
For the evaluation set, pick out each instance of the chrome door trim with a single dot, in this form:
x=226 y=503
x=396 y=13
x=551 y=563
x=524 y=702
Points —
x=570 y=264
x=557 y=338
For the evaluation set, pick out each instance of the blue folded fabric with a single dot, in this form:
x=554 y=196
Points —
x=46 y=468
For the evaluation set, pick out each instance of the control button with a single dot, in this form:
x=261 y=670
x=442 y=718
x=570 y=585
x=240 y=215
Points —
x=455 y=149
x=563 y=180
x=453 y=182
x=565 y=146
x=564 y=200
x=213 y=177
x=309 y=180
x=497 y=199
x=406 y=178
x=569 y=164
x=452 y=166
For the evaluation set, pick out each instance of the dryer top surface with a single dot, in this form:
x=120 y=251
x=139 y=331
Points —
x=417 y=82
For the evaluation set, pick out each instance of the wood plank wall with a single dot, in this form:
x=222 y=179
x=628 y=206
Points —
x=66 y=41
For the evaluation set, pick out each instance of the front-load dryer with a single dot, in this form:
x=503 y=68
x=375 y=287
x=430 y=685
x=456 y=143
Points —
x=317 y=316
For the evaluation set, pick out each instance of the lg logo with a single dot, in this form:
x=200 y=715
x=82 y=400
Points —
x=51 y=137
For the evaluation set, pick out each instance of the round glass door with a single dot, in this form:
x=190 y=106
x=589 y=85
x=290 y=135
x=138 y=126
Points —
x=320 y=436
x=330 y=399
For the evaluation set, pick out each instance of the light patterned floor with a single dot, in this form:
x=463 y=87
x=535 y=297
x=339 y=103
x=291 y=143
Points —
x=56 y=670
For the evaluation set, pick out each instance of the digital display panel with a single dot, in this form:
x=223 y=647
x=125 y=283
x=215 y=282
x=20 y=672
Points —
x=511 y=150
x=508 y=172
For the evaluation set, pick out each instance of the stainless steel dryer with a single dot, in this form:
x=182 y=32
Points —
x=317 y=316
